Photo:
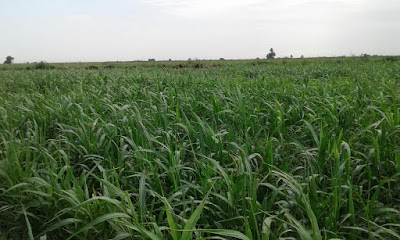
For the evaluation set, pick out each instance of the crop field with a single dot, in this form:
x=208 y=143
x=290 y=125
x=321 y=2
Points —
x=256 y=149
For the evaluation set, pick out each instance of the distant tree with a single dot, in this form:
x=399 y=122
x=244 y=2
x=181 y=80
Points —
x=8 y=60
x=170 y=59
x=302 y=56
x=291 y=56
x=271 y=54
x=152 y=60
x=222 y=59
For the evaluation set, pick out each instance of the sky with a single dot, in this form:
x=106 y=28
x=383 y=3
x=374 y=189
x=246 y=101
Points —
x=127 y=30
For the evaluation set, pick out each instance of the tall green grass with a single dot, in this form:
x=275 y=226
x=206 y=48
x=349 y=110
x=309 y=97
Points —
x=245 y=150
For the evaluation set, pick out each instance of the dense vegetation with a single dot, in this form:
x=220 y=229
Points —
x=308 y=149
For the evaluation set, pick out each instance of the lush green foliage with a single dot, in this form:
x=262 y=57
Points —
x=308 y=149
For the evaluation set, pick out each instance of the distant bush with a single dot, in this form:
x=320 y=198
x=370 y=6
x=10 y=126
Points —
x=43 y=65
x=92 y=67
x=365 y=57
x=179 y=66
x=198 y=65
x=391 y=59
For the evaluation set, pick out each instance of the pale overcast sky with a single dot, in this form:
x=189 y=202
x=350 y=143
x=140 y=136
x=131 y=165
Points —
x=119 y=30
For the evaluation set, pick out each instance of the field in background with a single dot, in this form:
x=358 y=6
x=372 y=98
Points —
x=255 y=149
x=178 y=64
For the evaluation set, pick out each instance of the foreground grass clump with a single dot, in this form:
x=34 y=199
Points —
x=306 y=149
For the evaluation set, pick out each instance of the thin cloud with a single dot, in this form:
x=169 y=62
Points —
x=79 y=18
x=257 y=10
x=202 y=8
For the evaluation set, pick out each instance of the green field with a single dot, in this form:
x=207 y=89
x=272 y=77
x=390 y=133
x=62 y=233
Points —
x=256 y=149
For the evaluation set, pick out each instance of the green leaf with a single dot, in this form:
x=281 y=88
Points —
x=228 y=233
x=28 y=224
x=121 y=236
x=98 y=220
x=60 y=224
x=191 y=223
x=172 y=225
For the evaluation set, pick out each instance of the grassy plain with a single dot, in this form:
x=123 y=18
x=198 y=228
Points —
x=289 y=148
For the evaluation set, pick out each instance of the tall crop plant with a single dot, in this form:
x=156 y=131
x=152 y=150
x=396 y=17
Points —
x=242 y=150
